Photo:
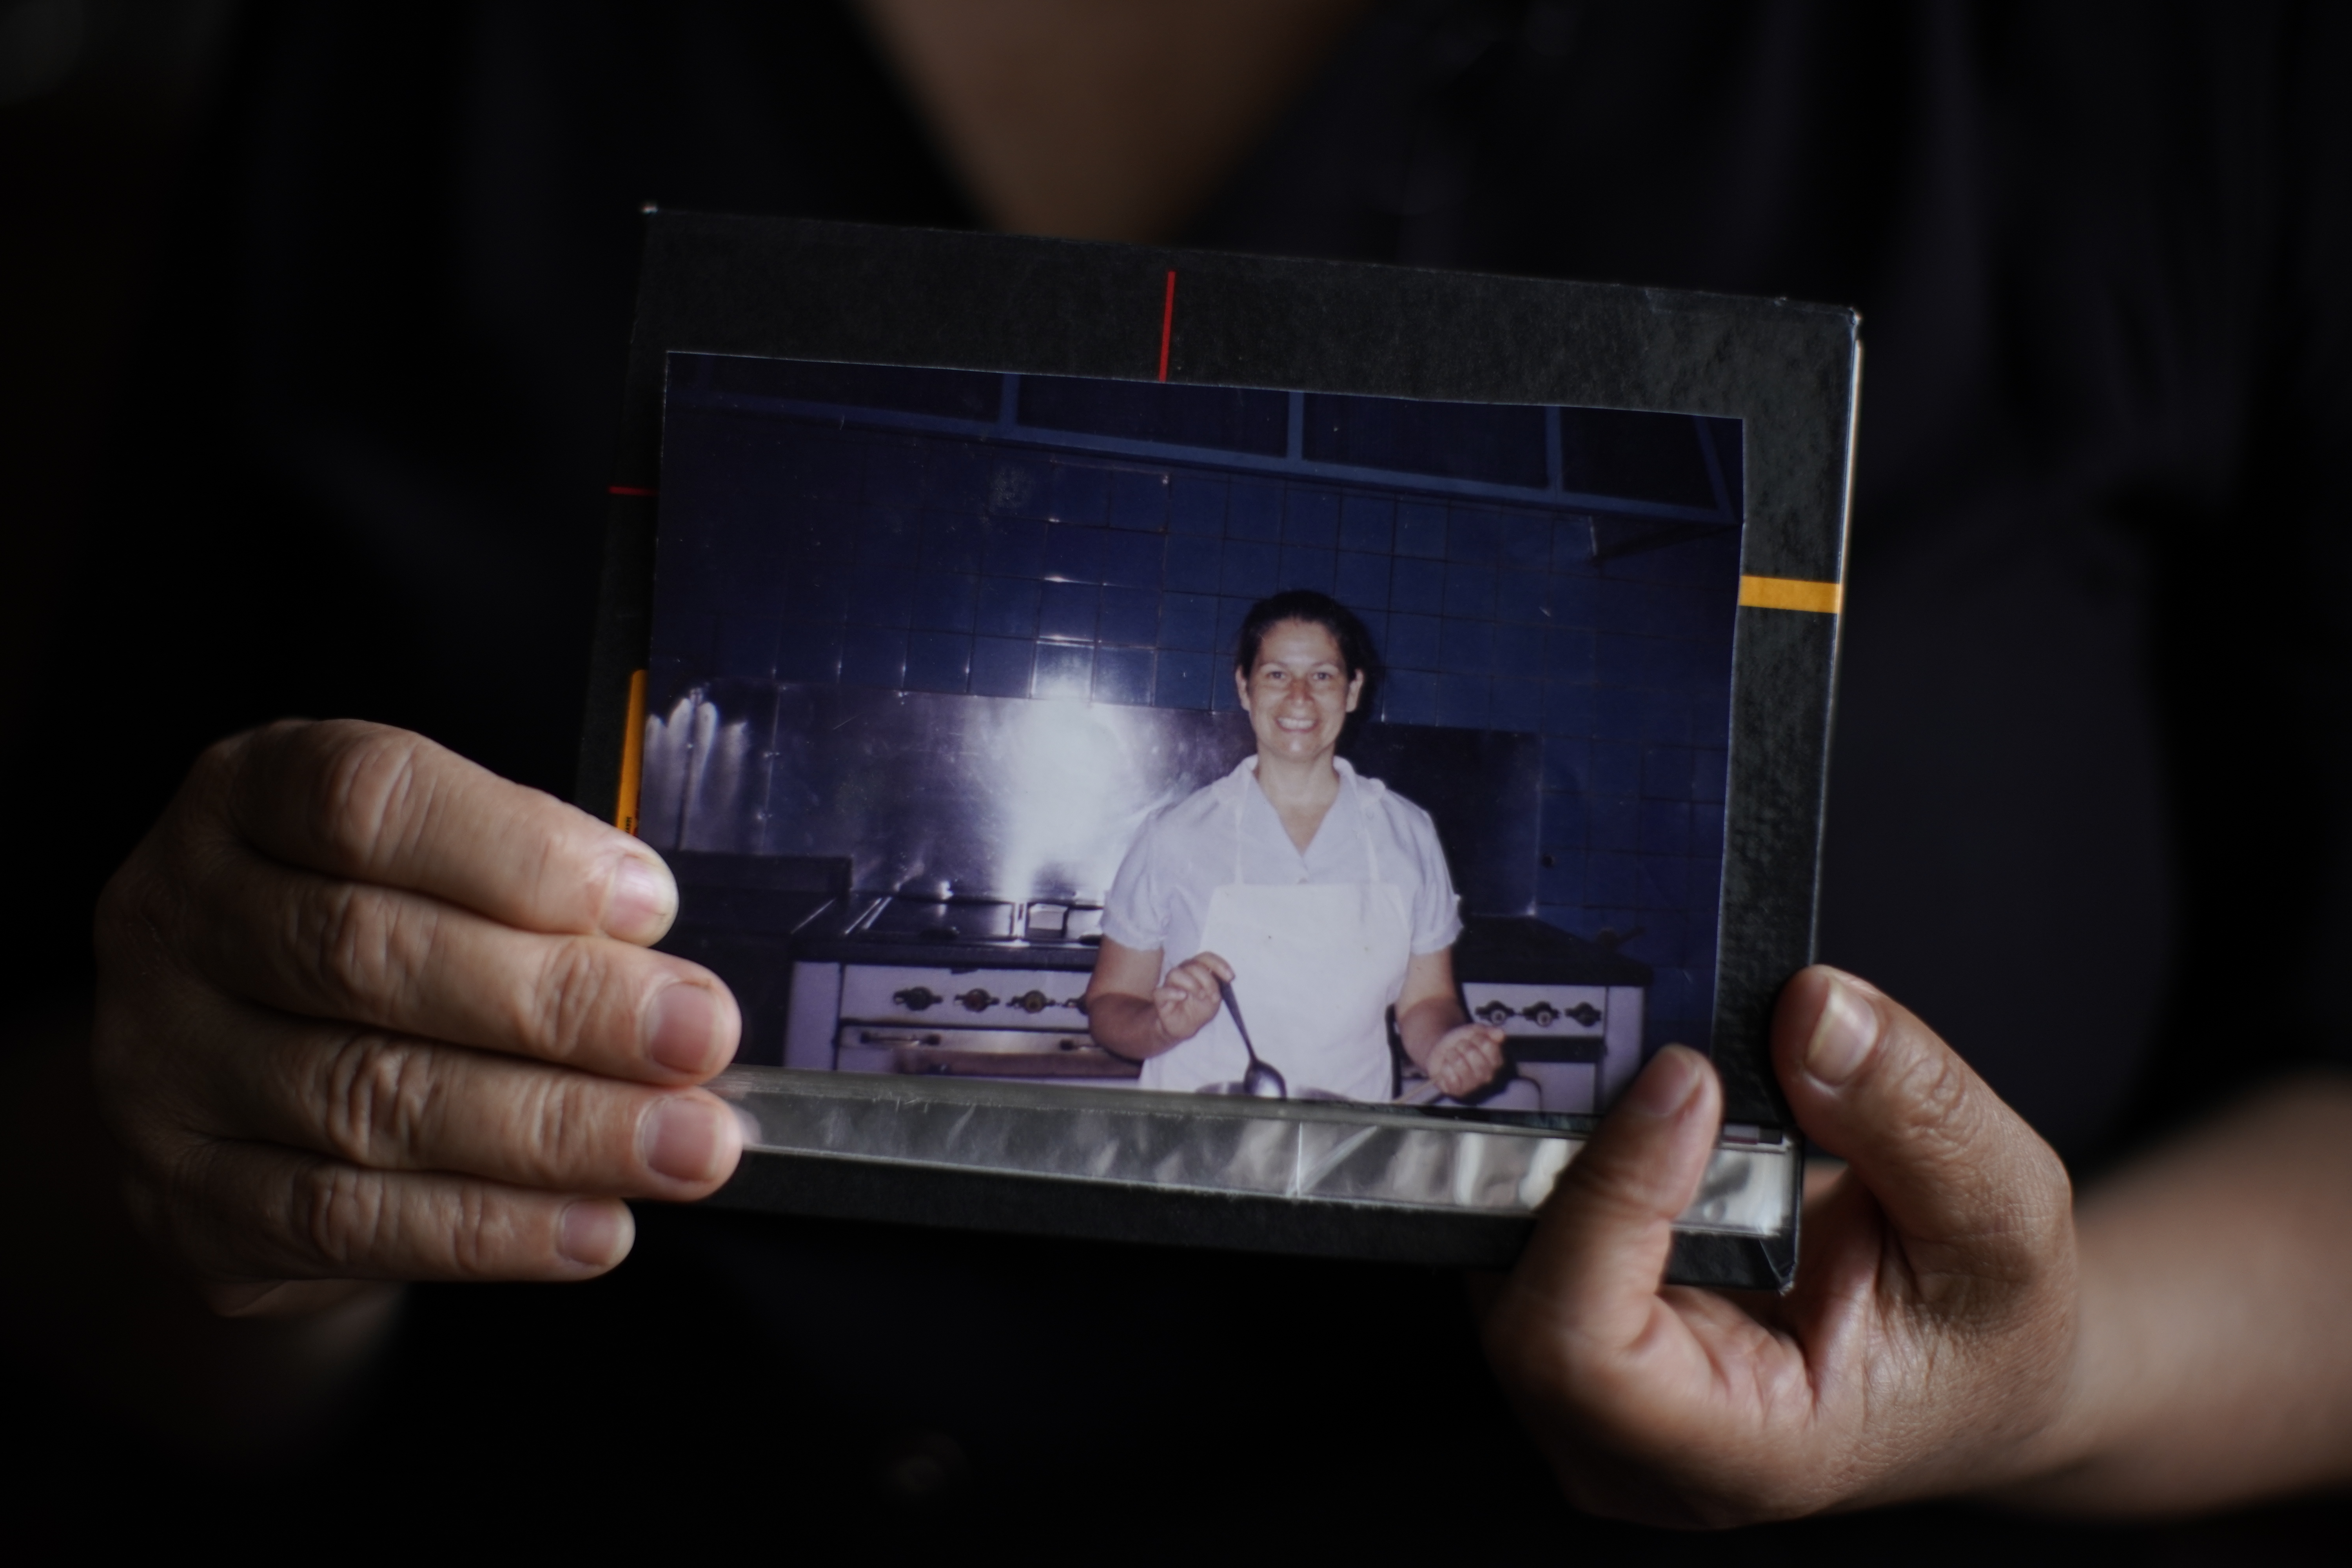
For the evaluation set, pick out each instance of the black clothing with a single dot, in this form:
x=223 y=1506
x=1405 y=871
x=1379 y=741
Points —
x=2091 y=801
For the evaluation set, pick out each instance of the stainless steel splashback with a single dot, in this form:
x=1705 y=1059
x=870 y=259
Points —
x=1024 y=798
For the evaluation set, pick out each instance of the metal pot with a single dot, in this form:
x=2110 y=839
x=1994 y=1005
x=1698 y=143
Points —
x=1236 y=1088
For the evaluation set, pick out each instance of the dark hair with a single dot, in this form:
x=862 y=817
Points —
x=1355 y=655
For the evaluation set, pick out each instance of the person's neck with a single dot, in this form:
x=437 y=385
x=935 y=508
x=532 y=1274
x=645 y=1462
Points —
x=1311 y=784
x=1072 y=117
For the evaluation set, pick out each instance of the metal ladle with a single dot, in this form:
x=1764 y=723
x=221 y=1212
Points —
x=1260 y=1079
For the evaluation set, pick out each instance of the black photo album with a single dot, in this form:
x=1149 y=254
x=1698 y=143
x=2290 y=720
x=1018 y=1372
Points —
x=1216 y=750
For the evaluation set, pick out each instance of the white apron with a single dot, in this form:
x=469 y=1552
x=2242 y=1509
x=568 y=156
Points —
x=1316 y=969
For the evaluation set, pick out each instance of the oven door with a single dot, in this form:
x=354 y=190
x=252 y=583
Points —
x=1043 y=1055
x=963 y=998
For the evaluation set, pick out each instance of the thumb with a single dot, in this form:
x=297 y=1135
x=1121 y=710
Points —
x=1601 y=1243
x=1947 y=1160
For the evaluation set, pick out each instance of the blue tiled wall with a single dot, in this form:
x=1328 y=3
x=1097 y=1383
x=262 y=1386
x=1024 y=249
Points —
x=805 y=552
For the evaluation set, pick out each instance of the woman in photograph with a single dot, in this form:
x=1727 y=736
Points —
x=1318 y=896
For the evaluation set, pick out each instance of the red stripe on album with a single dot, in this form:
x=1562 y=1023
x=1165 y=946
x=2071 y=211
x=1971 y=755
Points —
x=637 y=490
x=1167 y=324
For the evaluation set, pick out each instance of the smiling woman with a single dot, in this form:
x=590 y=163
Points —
x=1317 y=895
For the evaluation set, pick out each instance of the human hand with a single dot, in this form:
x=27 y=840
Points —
x=366 y=1011
x=1465 y=1058
x=1927 y=1347
x=1188 y=996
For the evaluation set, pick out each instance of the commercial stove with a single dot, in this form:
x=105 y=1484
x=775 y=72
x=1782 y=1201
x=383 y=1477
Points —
x=1570 y=1010
x=962 y=987
x=996 y=989
x=927 y=983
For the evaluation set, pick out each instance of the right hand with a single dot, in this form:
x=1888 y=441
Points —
x=1928 y=1347
x=1188 y=996
x=366 y=1011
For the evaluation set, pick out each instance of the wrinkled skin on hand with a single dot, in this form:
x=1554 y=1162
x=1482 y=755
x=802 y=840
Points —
x=1926 y=1346
x=366 y=1012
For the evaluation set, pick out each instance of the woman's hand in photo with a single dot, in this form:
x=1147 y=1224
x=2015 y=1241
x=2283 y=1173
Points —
x=1134 y=1012
x=366 y=1011
x=1929 y=1343
x=1185 y=1001
x=1465 y=1058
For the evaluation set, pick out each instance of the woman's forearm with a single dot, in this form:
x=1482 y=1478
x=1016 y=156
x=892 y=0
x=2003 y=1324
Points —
x=1127 y=1025
x=1423 y=1024
x=2213 y=1362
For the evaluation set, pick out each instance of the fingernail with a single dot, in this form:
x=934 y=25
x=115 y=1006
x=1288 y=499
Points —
x=1667 y=1084
x=1844 y=1036
x=682 y=1137
x=681 y=1028
x=596 y=1235
x=643 y=899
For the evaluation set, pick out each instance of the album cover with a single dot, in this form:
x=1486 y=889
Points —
x=1216 y=750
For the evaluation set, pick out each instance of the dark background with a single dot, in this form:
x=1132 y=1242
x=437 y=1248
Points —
x=311 y=376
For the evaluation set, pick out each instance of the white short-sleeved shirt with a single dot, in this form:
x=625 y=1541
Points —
x=1159 y=900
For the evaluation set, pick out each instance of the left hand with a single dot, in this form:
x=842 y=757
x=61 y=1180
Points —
x=1929 y=1344
x=1465 y=1058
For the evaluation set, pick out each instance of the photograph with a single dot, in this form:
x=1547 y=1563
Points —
x=1196 y=739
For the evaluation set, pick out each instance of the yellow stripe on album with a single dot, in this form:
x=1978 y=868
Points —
x=633 y=755
x=1791 y=593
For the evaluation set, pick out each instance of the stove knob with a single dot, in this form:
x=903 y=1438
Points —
x=1586 y=1013
x=915 y=999
x=1543 y=1014
x=1032 y=1002
x=1495 y=1013
x=977 y=1000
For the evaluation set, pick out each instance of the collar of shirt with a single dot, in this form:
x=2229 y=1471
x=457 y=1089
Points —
x=1336 y=852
